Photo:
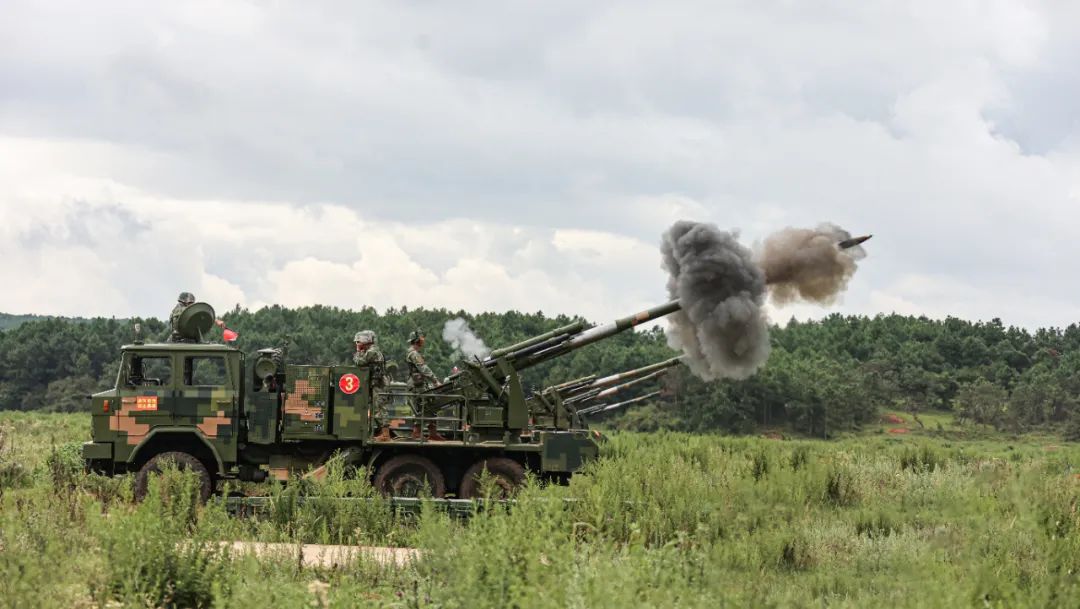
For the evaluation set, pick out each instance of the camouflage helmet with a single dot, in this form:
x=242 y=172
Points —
x=364 y=337
x=415 y=335
x=186 y=298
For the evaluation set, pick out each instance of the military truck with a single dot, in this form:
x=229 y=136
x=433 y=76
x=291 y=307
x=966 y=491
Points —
x=213 y=410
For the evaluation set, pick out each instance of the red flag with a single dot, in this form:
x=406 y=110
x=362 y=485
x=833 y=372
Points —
x=229 y=335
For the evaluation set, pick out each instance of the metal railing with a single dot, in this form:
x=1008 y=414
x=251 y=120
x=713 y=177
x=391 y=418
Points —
x=458 y=423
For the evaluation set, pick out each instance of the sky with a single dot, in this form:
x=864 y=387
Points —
x=489 y=156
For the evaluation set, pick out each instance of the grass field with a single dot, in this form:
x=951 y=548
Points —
x=663 y=520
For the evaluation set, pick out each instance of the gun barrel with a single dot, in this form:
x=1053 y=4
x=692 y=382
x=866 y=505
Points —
x=592 y=335
x=610 y=391
x=616 y=379
x=596 y=394
x=568 y=329
x=607 y=407
x=574 y=384
x=597 y=333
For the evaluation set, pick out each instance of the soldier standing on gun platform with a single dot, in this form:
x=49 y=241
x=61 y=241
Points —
x=422 y=378
x=368 y=354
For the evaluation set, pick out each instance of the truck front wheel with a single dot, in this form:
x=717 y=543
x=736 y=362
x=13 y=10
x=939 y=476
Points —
x=184 y=462
x=408 y=475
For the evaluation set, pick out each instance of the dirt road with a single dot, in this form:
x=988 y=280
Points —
x=314 y=555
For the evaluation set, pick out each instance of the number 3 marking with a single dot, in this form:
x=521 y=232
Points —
x=349 y=383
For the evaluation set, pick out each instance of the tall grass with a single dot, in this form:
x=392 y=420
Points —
x=664 y=520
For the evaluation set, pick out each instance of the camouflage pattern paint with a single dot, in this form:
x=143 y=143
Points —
x=351 y=410
x=567 y=451
x=262 y=417
x=306 y=402
x=138 y=406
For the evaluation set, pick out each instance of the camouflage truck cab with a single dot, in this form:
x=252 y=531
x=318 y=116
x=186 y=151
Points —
x=169 y=399
x=168 y=396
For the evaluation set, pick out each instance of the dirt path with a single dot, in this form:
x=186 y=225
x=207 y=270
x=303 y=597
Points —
x=315 y=555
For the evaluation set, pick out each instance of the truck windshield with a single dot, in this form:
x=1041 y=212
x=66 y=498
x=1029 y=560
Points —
x=149 y=371
x=205 y=371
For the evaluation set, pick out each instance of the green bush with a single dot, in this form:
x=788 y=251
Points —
x=64 y=466
x=841 y=487
x=920 y=459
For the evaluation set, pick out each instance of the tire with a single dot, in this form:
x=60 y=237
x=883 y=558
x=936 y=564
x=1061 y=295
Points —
x=184 y=462
x=508 y=475
x=407 y=475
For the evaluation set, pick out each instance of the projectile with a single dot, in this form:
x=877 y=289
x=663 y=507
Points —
x=849 y=243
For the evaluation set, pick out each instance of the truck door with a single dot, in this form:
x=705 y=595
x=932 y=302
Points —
x=206 y=398
x=146 y=393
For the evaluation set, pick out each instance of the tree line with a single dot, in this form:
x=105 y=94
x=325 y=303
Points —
x=822 y=377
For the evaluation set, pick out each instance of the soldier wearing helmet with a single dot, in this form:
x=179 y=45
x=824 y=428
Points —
x=422 y=378
x=369 y=355
x=183 y=301
x=420 y=375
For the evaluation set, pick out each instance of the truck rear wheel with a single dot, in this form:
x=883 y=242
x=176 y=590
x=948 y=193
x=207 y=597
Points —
x=507 y=475
x=408 y=476
x=184 y=462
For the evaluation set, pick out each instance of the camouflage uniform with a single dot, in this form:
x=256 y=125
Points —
x=185 y=300
x=422 y=378
x=373 y=358
x=174 y=336
x=420 y=375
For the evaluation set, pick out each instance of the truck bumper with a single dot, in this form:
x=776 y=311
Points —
x=97 y=455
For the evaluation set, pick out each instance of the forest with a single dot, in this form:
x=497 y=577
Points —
x=822 y=378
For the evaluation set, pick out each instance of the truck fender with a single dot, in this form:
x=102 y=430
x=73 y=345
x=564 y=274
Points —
x=374 y=458
x=158 y=431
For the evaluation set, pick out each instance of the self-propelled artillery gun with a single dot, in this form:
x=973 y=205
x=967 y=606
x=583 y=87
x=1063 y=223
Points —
x=228 y=415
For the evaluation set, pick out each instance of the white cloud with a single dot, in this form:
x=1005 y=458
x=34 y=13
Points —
x=412 y=154
x=130 y=252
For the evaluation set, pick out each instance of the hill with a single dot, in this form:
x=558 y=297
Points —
x=8 y=321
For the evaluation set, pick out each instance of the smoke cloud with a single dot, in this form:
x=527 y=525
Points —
x=458 y=334
x=722 y=327
x=805 y=264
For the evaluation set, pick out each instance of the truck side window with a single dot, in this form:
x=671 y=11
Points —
x=150 y=371
x=205 y=371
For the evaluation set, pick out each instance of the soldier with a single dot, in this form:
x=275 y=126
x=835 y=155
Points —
x=183 y=301
x=422 y=378
x=368 y=354
x=420 y=375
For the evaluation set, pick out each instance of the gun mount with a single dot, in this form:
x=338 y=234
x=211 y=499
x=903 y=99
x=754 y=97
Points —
x=495 y=382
